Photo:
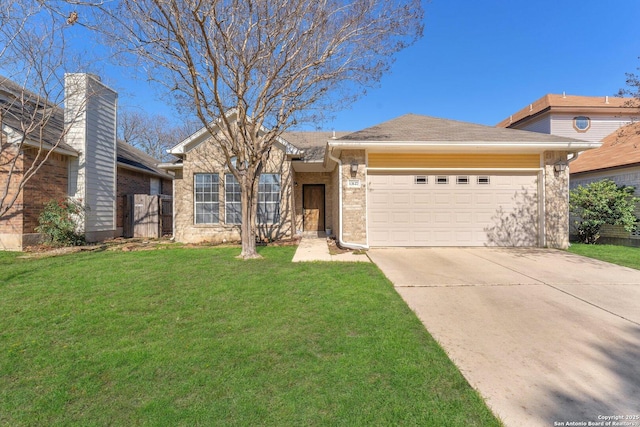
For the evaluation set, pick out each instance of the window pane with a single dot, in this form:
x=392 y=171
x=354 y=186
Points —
x=233 y=212
x=206 y=198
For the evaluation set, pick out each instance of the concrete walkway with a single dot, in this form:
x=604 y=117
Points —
x=315 y=248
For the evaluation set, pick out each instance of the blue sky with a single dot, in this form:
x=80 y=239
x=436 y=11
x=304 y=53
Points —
x=480 y=61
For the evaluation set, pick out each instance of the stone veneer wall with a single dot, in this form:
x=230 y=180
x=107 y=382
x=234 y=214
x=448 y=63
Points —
x=354 y=200
x=556 y=201
x=207 y=158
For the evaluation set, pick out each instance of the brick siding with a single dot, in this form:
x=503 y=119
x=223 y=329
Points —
x=51 y=182
x=12 y=220
x=207 y=158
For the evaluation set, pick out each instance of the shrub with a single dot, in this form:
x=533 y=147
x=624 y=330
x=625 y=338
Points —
x=58 y=222
x=599 y=203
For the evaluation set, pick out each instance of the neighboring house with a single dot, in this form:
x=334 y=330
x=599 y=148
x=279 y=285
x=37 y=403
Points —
x=619 y=160
x=89 y=165
x=411 y=181
x=607 y=119
x=588 y=118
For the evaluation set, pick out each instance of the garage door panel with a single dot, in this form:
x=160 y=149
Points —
x=422 y=217
x=401 y=218
x=441 y=198
x=442 y=218
x=463 y=198
x=463 y=218
x=404 y=213
x=403 y=199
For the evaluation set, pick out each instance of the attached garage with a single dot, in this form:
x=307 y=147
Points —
x=425 y=181
x=461 y=209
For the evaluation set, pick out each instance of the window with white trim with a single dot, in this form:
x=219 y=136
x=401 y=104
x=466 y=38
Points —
x=581 y=123
x=232 y=206
x=442 y=179
x=269 y=198
x=421 y=179
x=206 y=191
x=484 y=180
x=462 y=180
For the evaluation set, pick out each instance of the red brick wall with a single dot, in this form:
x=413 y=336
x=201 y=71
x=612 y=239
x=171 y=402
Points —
x=11 y=222
x=51 y=182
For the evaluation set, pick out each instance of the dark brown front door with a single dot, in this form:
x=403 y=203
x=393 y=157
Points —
x=313 y=207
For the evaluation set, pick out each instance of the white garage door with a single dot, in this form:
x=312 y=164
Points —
x=453 y=210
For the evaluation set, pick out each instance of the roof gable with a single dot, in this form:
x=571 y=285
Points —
x=203 y=135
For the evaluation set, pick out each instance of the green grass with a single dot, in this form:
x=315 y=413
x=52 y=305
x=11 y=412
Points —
x=621 y=255
x=186 y=337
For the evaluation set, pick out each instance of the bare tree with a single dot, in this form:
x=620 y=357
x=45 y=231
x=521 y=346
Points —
x=152 y=133
x=32 y=58
x=252 y=69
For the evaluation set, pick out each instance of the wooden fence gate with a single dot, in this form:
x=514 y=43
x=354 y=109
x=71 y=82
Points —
x=147 y=216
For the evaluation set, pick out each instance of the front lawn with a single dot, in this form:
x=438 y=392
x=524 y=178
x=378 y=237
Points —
x=621 y=255
x=186 y=337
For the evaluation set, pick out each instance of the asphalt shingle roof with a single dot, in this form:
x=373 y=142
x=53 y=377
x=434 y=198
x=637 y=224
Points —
x=312 y=143
x=621 y=148
x=413 y=127
x=16 y=102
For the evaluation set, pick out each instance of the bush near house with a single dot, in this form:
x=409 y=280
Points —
x=599 y=203
x=58 y=222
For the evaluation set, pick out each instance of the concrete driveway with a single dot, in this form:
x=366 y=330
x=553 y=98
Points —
x=545 y=336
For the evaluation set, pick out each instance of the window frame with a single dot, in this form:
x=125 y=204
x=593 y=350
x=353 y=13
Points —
x=581 y=118
x=421 y=180
x=227 y=203
x=215 y=198
x=269 y=198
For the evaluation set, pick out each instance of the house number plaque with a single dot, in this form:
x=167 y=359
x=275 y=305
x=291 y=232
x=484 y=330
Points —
x=353 y=183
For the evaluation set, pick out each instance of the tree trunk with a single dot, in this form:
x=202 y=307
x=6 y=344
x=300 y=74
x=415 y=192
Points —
x=249 y=202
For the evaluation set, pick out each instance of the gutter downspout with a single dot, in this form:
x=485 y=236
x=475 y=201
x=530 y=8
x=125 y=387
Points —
x=575 y=156
x=347 y=245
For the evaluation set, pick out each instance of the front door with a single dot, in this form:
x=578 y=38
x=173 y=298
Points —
x=313 y=207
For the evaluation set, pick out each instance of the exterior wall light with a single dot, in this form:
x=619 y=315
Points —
x=560 y=166
x=354 y=169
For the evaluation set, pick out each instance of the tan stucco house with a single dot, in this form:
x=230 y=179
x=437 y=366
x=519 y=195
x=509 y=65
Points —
x=411 y=181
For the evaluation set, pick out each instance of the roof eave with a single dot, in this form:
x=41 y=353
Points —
x=170 y=166
x=145 y=171
x=465 y=146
